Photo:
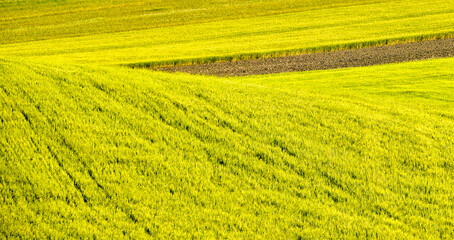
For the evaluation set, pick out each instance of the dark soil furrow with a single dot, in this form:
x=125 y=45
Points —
x=405 y=52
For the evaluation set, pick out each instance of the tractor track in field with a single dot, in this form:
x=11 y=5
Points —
x=440 y=48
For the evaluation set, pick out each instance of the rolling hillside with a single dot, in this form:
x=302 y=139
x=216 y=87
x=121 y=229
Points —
x=93 y=149
x=111 y=152
x=305 y=30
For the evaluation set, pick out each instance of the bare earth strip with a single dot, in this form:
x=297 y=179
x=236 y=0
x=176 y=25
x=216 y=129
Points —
x=329 y=60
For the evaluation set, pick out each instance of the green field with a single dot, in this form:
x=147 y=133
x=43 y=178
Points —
x=90 y=148
x=277 y=34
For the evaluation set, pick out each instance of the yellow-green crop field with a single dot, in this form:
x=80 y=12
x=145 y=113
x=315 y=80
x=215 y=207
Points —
x=93 y=149
x=304 y=30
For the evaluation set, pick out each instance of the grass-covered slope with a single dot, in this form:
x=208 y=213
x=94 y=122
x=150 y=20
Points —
x=320 y=26
x=111 y=152
x=31 y=20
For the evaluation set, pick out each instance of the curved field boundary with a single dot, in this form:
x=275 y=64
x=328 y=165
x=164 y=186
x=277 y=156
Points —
x=290 y=52
x=404 y=52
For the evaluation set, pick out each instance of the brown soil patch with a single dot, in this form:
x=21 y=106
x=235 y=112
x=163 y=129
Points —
x=328 y=60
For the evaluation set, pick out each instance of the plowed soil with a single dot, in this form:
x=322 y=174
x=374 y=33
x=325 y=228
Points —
x=328 y=60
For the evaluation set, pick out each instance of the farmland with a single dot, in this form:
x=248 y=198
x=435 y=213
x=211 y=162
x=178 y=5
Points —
x=273 y=35
x=91 y=148
x=396 y=53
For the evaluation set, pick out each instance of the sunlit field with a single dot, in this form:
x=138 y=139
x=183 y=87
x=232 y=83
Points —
x=92 y=148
